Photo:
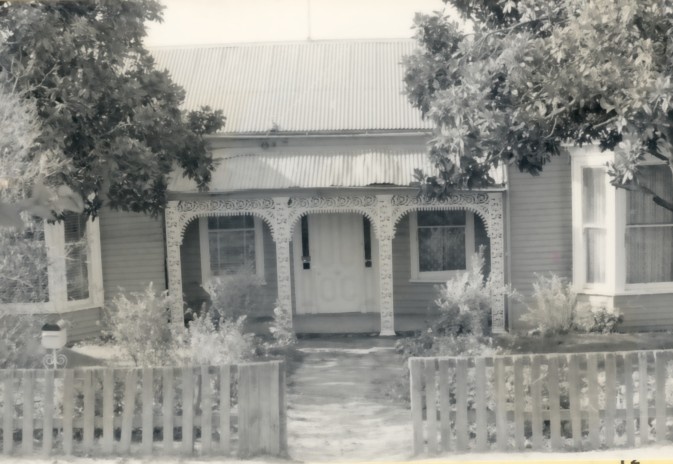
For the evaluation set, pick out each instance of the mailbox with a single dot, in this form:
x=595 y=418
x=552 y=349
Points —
x=54 y=335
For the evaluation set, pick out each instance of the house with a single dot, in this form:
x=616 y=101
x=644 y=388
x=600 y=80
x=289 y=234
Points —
x=314 y=192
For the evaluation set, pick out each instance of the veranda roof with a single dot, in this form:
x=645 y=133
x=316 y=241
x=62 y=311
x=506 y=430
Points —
x=296 y=168
x=298 y=87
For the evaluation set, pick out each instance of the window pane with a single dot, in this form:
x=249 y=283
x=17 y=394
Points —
x=649 y=254
x=23 y=265
x=441 y=218
x=231 y=250
x=231 y=222
x=76 y=257
x=649 y=243
x=593 y=196
x=441 y=249
x=640 y=207
x=594 y=240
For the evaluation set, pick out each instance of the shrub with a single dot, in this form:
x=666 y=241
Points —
x=464 y=302
x=235 y=295
x=212 y=340
x=599 y=320
x=554 y=305
x=280 y=328
x=140 y=325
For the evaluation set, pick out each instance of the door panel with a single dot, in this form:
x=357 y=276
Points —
x=337 y=280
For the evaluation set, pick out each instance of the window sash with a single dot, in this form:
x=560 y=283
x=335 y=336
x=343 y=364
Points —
x=594 y=232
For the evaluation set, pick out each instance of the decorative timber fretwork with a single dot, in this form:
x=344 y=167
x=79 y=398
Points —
x=384 y=212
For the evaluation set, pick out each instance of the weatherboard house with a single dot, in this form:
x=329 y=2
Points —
x=314 y=191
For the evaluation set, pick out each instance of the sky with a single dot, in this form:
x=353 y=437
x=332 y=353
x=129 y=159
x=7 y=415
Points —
x=200 y=22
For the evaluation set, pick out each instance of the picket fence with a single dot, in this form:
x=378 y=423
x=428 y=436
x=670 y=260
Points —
x=541 y=402
x=205 y=410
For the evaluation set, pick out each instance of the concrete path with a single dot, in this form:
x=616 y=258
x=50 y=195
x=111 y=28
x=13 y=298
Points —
x=337 y=407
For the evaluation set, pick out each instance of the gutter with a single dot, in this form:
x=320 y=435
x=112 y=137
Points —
x=314 y=135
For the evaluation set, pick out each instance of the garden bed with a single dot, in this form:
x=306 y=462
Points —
x=583 y=342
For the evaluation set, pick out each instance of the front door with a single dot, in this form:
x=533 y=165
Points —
x=337 y=279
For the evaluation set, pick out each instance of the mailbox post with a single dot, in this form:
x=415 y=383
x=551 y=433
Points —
x=54 y=337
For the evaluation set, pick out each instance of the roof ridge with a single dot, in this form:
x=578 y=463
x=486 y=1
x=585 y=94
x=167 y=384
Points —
x=280 y=42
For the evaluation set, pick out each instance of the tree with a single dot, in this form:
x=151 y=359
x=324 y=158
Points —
x=534 y=75
x=100 y=101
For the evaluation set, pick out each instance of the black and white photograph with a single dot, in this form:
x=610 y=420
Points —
x=303 y=231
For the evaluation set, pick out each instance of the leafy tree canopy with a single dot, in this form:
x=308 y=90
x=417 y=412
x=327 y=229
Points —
x=536 y=74
x=100 y=102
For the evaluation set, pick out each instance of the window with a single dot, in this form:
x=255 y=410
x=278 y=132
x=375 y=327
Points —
x=76 y=257
x=65 y=267
x=229 y=244
x=593 y=223
x=442 y=243
x=622 y=240
x=649 y=229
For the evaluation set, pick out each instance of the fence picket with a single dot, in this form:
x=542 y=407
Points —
x=536 y=401
x=416 y=390
x=661 y=360
x=108 y=411
x=610 y=398
x=444 y=405
x=206 y=411
x=592 y=382
x=88 y=412
x=431 y=405
x=628 y=389
x=644 y=428
x=168 y=392
x=282 y=403
x=574 y=398
x=480 y=404
x=244 y=402
x=48 y=424
x=28 y=408
x=224 y=409
x=68 y=409
x=554 y=404
x=147 y=410
x=273 y=410
x=462 y=427
x=128 y=405
x=8 y=413
x=519 y=398
x=187 y=410
x=500 y=405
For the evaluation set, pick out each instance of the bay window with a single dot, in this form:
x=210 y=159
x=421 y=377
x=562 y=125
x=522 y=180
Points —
x=61 y=264
x=622 y=240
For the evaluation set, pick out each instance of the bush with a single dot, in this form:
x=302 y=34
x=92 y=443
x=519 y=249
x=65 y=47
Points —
x=554 y=306
x=235 y=295
x=140 y=325
x=599 y=320
x=212 y=340
x=464 y=302
x=280 y=328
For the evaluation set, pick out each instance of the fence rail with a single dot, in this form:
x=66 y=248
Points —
x=553 y=401
x=190 y=410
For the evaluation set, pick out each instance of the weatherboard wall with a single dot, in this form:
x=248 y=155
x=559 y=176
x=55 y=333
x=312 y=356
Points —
x=540 y=229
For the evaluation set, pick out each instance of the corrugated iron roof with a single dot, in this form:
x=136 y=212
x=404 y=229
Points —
x=298 y=87
x=303 y=168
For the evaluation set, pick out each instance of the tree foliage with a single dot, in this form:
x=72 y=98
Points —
x=534 y=75
x=101 y=102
